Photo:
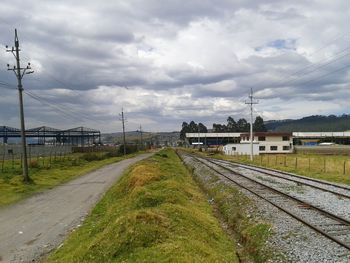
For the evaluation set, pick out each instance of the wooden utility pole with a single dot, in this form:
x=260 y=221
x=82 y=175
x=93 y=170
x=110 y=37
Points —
x=123 y=122
x=20 y=72
x=141 y=141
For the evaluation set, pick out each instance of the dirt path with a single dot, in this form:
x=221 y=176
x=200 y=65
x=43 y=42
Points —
x=38 y=224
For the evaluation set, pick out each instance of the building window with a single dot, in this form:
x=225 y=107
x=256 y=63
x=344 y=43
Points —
x=285 y=138
x=273 y=148
x=233 y=148
x=261 y=148
x=261 y=138
x=286 y=148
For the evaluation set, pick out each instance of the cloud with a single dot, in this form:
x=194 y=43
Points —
x=166 y=62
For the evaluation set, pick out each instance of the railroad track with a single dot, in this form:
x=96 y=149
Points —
x=325 y=223
x=314 y=183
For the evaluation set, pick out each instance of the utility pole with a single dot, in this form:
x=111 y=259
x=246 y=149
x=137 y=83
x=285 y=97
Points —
x=198 y=136
x=20 y=72
x=141 y=142
x=123 y=121
x=251 y=102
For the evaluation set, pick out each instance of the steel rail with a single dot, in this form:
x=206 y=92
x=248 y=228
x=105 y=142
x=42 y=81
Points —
x=305 y=204
x=290 y=179
x=251 y=166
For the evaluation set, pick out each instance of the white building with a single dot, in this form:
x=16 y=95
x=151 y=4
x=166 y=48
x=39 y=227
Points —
x=240 y=149
x=267 y=142
x=271 y=142
x=263 y=142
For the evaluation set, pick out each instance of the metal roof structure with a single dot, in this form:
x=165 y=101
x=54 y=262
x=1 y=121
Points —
x=212 y=134
x=73 y=136
x=344 y=134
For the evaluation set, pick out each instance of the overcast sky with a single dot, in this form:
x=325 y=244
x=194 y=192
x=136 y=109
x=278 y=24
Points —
x=170 y=61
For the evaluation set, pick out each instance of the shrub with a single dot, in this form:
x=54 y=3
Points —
x=92 y=157
x=129 y=149
x=34 y=164
x=113 y=154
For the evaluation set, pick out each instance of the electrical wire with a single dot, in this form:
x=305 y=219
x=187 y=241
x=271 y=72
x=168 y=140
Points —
x=64 y=112
x=68 y=111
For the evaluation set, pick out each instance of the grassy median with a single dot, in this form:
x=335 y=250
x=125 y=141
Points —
x=44 y=176
x=155 y=213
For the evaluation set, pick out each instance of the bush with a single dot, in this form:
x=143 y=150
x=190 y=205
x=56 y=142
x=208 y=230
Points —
x=129 y=149
x=113 y=154
x=34 y=164
x=92 y=157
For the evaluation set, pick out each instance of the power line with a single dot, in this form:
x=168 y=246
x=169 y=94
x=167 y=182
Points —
x=328 y=62
x=66 y=110
x=33 y=96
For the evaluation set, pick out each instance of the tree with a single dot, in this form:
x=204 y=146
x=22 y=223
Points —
x=219 y=127
x=259 y=125
x=231 y=125
x=202 y=128
x=184 y=130
x=242 y=125
x=193 y=127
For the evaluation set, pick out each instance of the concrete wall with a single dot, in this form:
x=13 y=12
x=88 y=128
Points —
x=240 y=149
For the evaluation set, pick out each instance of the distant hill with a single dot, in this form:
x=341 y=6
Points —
x=158 y=138
x=311 y=123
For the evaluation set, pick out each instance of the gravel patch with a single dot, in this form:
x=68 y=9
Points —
x=294 y=240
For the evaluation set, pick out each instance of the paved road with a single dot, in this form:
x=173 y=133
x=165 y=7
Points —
x=38 y=224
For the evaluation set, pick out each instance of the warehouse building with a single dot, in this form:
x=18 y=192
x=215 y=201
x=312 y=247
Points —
x=239 y=143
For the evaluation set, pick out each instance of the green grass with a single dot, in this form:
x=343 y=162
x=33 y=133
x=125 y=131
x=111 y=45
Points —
x=331 y=168
x=45 y=176
x=155 y=213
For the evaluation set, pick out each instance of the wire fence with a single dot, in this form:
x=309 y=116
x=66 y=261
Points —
x=317 y=164
x=12 y=155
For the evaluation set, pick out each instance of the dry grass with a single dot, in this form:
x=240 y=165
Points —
x=155 y=213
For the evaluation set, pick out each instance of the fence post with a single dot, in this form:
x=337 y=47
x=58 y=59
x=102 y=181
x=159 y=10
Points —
x=296 y=163
x=50 y=157
x=21 y=160
x=30 y=154
x=276 y=161
x=324 y=165
x=344 y=167
x=3 y=159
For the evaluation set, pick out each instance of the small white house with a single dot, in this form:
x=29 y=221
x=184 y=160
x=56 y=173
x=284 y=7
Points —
x=263 y=142
x=240 y=148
